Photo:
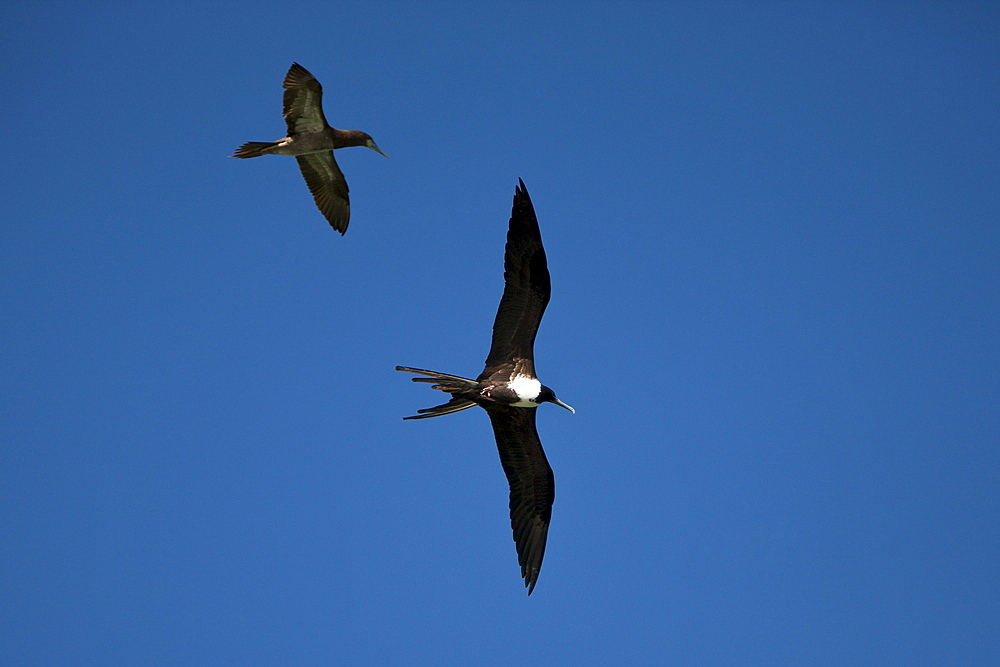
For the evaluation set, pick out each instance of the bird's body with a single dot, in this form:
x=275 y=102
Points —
x=312 y=141
x=508 y=389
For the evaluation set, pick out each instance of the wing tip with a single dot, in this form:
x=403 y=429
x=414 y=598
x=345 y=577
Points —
x=530 y=581
x=298 y=69
x=522 y=207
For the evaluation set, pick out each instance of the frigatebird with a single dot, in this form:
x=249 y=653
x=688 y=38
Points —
x=508 y=389
x=312 y=141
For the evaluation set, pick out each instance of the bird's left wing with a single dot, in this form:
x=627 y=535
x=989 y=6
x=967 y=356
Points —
x=532 y=485
x=328 y=187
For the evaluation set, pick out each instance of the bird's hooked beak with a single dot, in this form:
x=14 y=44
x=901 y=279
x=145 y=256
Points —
x=372 y=145
x=563 y=405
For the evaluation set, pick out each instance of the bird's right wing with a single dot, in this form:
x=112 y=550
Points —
x=526 y=289
x=303 y=101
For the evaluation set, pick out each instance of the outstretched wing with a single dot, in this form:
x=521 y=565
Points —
x=303 y=101
x=532 y=485
x=526 y=290
x=328 y=187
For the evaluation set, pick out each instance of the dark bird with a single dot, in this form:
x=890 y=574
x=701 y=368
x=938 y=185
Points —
x=312 y=141
x=508 y=389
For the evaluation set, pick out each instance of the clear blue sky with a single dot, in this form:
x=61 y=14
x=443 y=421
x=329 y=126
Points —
x=774 y=237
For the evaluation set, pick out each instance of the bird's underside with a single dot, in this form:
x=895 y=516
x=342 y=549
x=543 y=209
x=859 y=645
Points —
x=532 y=484
x=311 y=141
x=508 y=389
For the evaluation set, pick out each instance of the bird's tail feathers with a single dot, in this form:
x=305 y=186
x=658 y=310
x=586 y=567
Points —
x=254 y=149
x=443 y=382
x=461 y=382
x=456 y=404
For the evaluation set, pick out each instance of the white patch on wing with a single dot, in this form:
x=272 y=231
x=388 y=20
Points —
x=527 y=389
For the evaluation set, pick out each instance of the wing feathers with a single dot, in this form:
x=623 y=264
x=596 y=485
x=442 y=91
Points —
x=532 y=485
x=303 y=101
x=328 y=187
x=527 y=286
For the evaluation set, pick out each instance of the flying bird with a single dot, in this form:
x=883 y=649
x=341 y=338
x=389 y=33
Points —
x=508 y=389
x=312 y=141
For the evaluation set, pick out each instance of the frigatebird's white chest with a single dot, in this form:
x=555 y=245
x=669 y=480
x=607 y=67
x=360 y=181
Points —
x=527 y=390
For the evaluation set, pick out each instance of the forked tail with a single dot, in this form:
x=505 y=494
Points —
x=452 y=384
x=254 y=149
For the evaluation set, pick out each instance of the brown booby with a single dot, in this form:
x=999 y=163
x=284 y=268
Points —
x=508 y=389
x=312 y=141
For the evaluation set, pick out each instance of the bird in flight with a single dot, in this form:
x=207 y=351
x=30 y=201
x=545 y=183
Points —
x=508 y=389
x=312 y=141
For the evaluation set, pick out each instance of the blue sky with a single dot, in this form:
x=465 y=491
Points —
x=773 y=236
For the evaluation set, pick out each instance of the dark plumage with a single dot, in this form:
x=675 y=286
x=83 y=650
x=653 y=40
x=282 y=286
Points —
x=312 y=141
x=508 y=389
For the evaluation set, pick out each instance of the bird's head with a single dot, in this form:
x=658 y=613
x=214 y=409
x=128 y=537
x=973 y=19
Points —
x=549 y=396
x=370 y=143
